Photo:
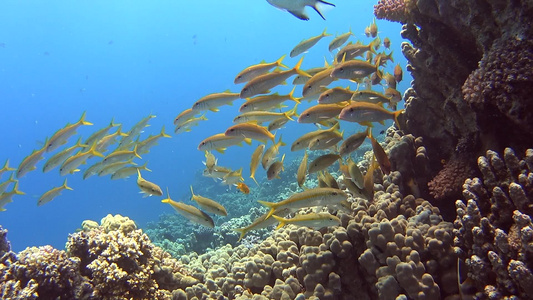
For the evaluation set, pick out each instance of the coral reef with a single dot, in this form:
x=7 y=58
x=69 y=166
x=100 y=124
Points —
x=493 y=230
x=471 y=64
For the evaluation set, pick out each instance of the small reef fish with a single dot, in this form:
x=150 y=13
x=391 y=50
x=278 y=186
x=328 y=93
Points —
x=320 y=113
x=126 y=172
x=218 y=173
x=305 y=45
x=277 y=124
x=121 y=155
x=264 y=116
x=210 y=206
x=354 y=69
x=275 y=168
x=367 y=31
x=325 y=140
x=28 y=164
x=382 y=58
x=373 y=29
x=53 y=193
x=364 y=113
x=297 y=7
x=263 y=83
x=351 y=51
x=355 y=174
x=390 y=80
x=113 y=167
x=94 y=169
x=308 y=198
x=380 y=155
x=394 y=95
x=329 y=180
x=213 y=101
x=71 y=164
x=190 y=212
x=134 y=132
x=369 y=96
x=210 y=161
x=339 y=40
x=386 y=42
x=6 y=168
x=6 y=198
x=186 y=126
x=220 y=142
x=99 y=134
x=398 y=73
x=4 y=185
x=253 y=71
x=335 y=95
x=267 y=102
x=256 y=158
x=241 y=186
x=144 y=146
x=271 y=153
x=58 y=158
x=313 y=220
x=233 y=177
x=376 y=43
x=184 y=116
x=299 y=79
x=317 y=82
x=61 y=136
x=109 y=140
x=368 y=180
x=251 y=131
x=322 y=162
x=147 y=188
x=302 y=171
x=303 y=141
x=261 y=222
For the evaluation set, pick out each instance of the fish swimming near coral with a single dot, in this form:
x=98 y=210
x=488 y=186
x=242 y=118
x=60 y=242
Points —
x=241 y=186
x=322 y=162
x=262 y=222
x=148 y=188
x=53 y=193
x=190 y=212
x=256 y=158
x=313 y=220
x=209 y=205
x=353 y=142
x=7 y=197
x=297 y=7
x=302 y=171
x=275 y=168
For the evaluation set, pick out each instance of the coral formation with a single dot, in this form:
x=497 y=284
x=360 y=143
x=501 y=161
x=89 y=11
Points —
x=493 y=230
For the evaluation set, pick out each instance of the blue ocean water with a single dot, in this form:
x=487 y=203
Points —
x=126 y=60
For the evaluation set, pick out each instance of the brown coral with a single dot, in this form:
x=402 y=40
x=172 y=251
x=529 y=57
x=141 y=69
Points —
x=393 y=10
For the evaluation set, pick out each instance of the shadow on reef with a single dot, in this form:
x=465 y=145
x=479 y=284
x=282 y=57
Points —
x=472 y=64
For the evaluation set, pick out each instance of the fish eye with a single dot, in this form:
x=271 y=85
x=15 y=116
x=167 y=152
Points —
x=307 y=114
x=245 y=105
x=244 y=89
x=308 y=87
x=334 y=193
x=327 y=95
x=341 y=70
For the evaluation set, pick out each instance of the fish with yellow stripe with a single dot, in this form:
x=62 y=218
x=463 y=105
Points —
x=71 y=164
x=61 y=136
x=147 y=188
x=313 y=220
x=253 y=71
x=209 y=205
x=53 y=193
x=190 y=212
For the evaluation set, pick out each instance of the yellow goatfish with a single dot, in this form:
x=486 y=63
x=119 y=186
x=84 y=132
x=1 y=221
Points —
x=113 y=167
x=299 y=79
x=213 y=101
x=265 y=116
x=109 y=140
x=99 y=134
x=329 y=180
x=370 y=96
x=263 y=83
x=368 y=180
x=93 y=170
x=256 y=157
x=134 y=132
x=353 y=142
x=233 y=177
x=128 y=171
x=302 y=171
x=308 y=198
x=320 y=112
x=339 y=40
x=253 y=71
x=5 y=184
x=6 y=198
x=58 y=158
x=147 y=188
x=355 y=174
x=186 y=126
x=381 y=156
x=190 y=212
x=325 y=140
x=220 y=142
x=364 y=113
x=144 y=146
x=313 y=220
x=323 y=162
x=317 y=82
x=351 y=51
x=71 y=164
x=28 y=164
x=121 y=155
x=184 y=116
x=277 y=124
x=51 y=194
x=271 y=153
x=303 y=141
x=251 y=131
x=6 y=168
x=335 y=95
x=261 y=222
x=305 y=45
x=275 y=168
x=61 y=136
x=209 y=205
x=218 y=172
x=355 y=69
x=210 y=161
x=267 y=102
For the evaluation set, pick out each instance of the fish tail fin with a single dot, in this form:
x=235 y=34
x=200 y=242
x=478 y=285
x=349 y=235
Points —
x=135 y=152
x=318 y=11
x=242 y=232
x=298 y=70
x=271 y=205
x=371 y=48
x=324 y=33
x=112 y=123
x=221 y=150
x=292 y=113
x=120 y=133
x=16 y=190
x=82 y=120
x=280 y=142
x=138 y=174
x=67 y=187
x=163 y=134
x=93 y=151
x=396 y=114
x=390 y=56
x=248 y=141
x=253 y=177
x=144 y=167
x=282 y=221
x=336 y=126
x=279 y=62
x=192 y=193
x=80 y=145
x=291 y=96
x=6 y=166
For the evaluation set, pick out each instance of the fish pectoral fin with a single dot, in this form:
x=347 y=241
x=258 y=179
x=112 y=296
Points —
x=214 y=109
x=300 y=14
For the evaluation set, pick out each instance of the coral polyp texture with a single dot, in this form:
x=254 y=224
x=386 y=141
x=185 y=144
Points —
x=493 y=230
x=393 y=10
